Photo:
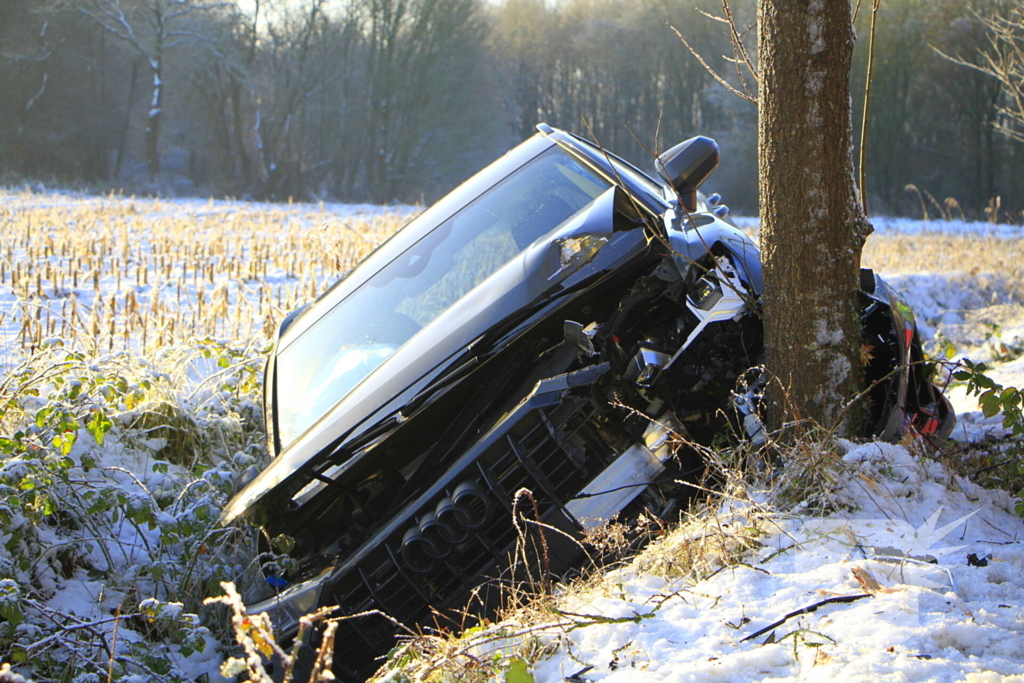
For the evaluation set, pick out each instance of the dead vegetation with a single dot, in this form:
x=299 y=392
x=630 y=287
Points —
x=718 y=531
x=976 y=255
x=119 y=273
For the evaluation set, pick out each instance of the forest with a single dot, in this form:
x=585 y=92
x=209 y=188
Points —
x=388 y=101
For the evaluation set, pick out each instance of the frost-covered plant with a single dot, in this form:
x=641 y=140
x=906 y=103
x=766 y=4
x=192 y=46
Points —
x=113 y=472
x=254 y=634
x=994 y=398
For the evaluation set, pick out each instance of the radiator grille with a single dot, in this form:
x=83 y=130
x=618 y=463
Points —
x=553 y=452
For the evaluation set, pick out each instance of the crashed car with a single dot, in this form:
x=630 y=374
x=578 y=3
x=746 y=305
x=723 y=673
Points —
x=511 y=369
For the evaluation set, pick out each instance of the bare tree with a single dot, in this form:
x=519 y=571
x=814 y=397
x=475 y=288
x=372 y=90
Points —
x=295 y=65
x=221 y=86
x=621 y=70
x=812 y=224
x=419 y=60
x=153 y=28
x=25 y=51
x=1002 y=58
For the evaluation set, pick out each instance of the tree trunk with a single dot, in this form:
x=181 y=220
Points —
x=153 y=120
x=126 y=124
x=812 y=223
x=242 y=167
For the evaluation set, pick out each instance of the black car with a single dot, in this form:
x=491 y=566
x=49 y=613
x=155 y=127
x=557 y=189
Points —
x=510 y=369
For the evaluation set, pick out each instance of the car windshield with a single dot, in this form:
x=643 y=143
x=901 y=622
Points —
x=354 y=338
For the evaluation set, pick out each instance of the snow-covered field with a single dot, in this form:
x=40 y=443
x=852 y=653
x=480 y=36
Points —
x=156 y=311
x=126 y=274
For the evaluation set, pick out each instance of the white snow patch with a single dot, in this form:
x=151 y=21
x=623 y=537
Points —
x=825 y=337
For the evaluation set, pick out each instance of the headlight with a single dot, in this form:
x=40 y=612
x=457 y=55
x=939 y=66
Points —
x=290 y=605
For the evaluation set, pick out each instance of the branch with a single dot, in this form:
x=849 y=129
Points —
x=804 y=610
x=707 y=66
x=111 y=19
x=737 y=43
x=42 y=89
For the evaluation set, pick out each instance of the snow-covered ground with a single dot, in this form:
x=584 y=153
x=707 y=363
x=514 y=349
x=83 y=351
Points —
x=174 y=266
x=960 y=619
x=793 y=608
x=947 y=555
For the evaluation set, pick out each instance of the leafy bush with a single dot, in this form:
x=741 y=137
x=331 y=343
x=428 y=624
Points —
x=992 y=396
x=113 y=472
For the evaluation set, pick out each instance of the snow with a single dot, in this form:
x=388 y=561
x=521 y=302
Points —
x=950 y=621
x=961 y=618
x=947 y=556
x=939 y=622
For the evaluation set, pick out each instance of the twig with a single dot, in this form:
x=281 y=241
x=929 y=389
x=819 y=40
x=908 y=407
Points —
x=805 y=610
x=708 y=68
x=862 y=162
x=113 y=647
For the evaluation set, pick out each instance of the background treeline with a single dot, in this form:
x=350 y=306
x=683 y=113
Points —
x=399 y=100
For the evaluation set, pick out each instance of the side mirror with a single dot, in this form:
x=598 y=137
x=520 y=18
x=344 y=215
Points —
x=687 y=165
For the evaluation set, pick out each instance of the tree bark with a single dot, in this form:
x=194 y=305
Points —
x=812 y=225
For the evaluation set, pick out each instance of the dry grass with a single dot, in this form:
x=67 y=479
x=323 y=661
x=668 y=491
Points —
x=754 y=494
x=122 y=273
x=937 y=252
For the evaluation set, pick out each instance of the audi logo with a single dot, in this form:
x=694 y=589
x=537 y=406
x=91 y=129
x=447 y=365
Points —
x=448 y=524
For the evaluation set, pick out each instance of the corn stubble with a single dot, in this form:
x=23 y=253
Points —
x=137 y=275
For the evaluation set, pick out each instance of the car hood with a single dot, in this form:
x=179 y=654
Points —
x=489 y=317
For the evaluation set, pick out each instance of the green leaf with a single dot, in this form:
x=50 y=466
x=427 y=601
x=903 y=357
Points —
x=283 y=543
x=42 y=415
x=65 y=442
x=16 y=536
x=984 y=381
x=1010 y=396
x=10 y=611
x=518 y=671
x=141 y=515
x=99 y=425
x=990 y=405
